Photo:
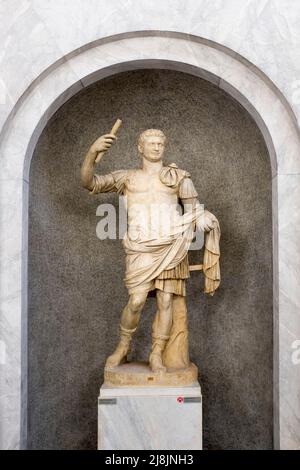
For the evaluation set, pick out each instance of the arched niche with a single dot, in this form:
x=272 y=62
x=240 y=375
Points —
x=72 y=332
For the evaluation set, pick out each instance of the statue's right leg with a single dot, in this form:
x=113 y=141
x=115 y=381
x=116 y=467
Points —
x=129 y=322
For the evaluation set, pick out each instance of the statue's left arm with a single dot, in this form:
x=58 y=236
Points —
x=207 y=222
x=189 y=198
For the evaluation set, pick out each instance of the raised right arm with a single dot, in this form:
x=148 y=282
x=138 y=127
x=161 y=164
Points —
x=87 y=169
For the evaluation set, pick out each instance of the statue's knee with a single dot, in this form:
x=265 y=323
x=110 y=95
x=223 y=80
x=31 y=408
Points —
x=136 y=302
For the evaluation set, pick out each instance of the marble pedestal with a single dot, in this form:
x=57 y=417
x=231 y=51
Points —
x=150 y=418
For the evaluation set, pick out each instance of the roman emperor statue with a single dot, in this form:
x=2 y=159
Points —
x=156 y=245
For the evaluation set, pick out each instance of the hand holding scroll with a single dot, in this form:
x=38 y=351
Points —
x=101 y=145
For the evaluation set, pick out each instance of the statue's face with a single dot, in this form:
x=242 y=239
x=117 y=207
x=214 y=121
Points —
x=153 y=148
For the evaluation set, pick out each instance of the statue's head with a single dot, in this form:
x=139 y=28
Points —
x=151 y=144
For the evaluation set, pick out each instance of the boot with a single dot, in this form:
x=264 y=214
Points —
x=155 y=360
x=120 y=354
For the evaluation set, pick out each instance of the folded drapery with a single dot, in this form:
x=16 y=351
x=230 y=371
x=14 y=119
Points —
x=146 y=259
x=211 y=260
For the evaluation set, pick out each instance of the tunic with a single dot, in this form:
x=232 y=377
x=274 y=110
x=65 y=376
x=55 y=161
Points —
x=153 y=212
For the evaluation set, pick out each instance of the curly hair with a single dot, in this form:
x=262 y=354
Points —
x=151 y=132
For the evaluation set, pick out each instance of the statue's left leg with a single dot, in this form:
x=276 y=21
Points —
x=176 y=353
x=161 y=330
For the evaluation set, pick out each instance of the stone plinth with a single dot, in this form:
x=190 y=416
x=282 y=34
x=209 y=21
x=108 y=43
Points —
x=139 y=374
x=134 y=418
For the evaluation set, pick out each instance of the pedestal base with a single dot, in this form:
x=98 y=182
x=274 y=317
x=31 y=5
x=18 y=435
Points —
x=139 y=374
x=150 y=418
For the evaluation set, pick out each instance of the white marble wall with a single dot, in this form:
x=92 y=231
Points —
x=150 y=418
x=36 y=33
x=46 y=58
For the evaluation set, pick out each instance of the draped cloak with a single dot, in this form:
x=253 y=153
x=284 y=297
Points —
x=147 y=258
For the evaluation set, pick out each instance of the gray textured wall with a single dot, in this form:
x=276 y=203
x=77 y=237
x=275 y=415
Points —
x=74 y=307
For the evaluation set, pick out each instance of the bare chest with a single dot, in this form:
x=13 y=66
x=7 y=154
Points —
x=144 y=188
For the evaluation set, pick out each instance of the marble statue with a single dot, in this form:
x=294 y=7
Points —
x=156 y=246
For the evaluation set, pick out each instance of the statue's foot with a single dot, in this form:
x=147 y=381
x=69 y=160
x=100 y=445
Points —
x=155 y=363
x=117 y=358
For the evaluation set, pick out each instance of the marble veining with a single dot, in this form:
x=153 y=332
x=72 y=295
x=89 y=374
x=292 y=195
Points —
x=150 y=419
x=37 y=34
